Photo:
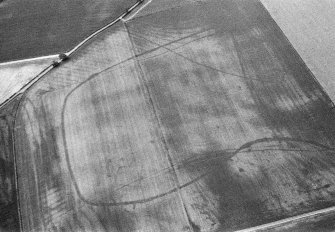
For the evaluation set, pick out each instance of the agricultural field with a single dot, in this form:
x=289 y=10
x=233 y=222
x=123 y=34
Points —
x=13 y=76
x=308 y=24
x=31 y=28
x=9 y=215
x=190 y=116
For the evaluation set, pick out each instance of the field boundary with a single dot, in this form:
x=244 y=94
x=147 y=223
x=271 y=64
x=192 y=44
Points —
x=29 y=59
x=22 y=92
x=65 y=56
x=287 y=221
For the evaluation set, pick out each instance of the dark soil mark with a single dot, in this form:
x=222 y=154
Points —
x=9 y=215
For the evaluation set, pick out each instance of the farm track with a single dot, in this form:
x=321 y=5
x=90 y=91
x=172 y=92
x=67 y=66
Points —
x=24 y=36
x=10 y=219
x=150 y=135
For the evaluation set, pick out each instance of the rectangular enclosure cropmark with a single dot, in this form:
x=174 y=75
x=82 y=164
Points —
x=196 y=116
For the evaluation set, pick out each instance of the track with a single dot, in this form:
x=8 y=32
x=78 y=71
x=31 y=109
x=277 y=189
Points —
x=64 y=56
x=61 y=58
x=202 y=119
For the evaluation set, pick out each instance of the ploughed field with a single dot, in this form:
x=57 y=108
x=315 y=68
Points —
x=191 y=116
x=31 y=28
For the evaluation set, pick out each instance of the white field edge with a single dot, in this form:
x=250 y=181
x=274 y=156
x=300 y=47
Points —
x=295 y=219
x=28 y=60
x=124 y=17
x=127 y=18
x=103 y=28
x=68 y=54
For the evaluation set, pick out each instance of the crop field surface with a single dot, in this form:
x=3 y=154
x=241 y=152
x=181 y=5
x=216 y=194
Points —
x=14 y=76
x=9 y=218
x=30 y=28
x=199 y=116
x=309 y=26
x=320 y=223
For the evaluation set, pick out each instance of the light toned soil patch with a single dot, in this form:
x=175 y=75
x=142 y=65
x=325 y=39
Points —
x=309 y=25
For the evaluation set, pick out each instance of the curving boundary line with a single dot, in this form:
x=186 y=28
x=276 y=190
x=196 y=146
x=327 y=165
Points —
x=64 y=56
x=22 y=92
x=229 y=155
